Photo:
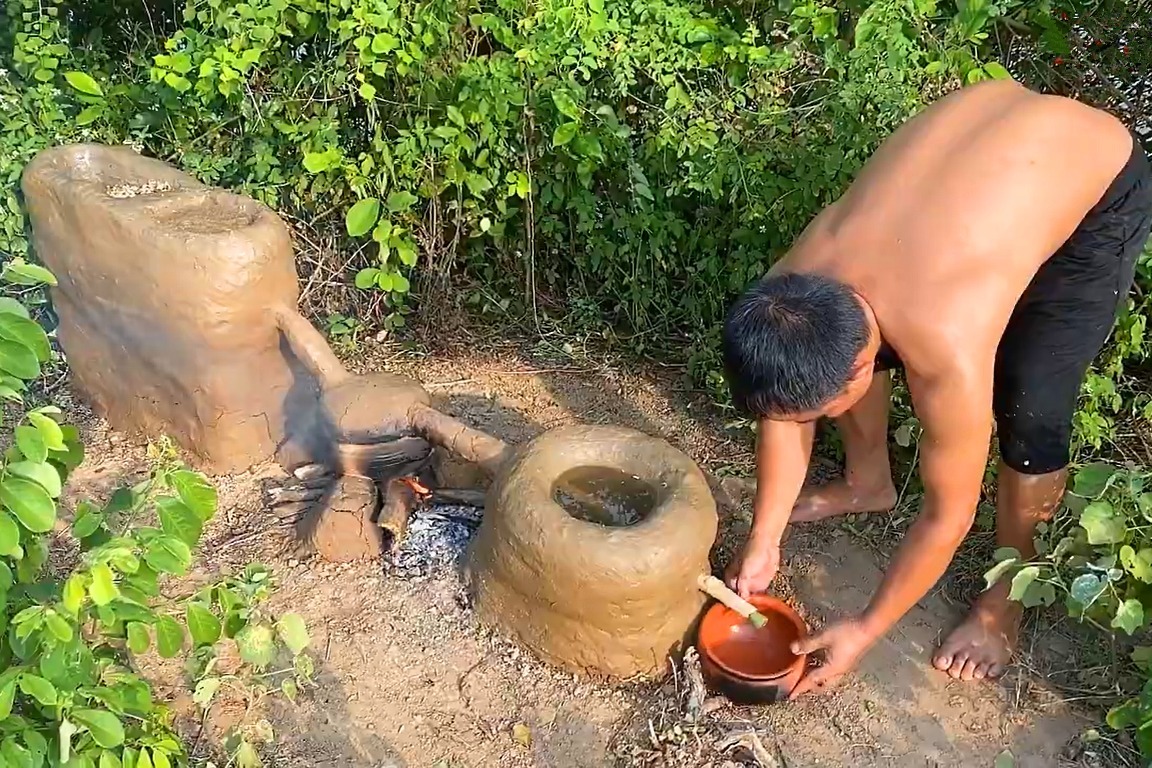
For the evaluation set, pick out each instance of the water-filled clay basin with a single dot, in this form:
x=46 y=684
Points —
x=751 y=665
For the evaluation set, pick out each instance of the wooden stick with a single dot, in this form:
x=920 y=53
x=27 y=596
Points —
x=399 y=500
x=717 y=589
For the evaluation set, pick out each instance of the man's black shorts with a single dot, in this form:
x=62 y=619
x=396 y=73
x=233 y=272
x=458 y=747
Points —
x=1062 y=321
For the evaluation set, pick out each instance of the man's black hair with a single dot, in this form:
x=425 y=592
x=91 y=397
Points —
x=790 y=343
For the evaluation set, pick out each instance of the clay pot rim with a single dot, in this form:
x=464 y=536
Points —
x=765 y=604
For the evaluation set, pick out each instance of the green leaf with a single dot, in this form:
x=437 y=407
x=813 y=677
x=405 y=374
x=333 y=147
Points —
x=407 y=253
x=44 y=475
x=89 y=519
x=993 y=574
x=246 y=756
x=1123 y=715
x=105 y=727
x=382 y=232
x=29 y=502
x=1086 y=588
x=90 y=114
x=384 y=280
x=401 y=201
x=456 y=116
x=103 y=589
x=39 y=689
x=59 y=628
x=383 y=42
x=362 y=216
x=1102 y=524
x=169 y=637
x=176 y=82
x=10 y=306
x=1139 y=564
x=18 y=360
x=21 y=273
x=84 y=83
x=1039 y=593
x=1092 y=479
x=1005 y=760
x=7 y=699
x=1129 y=616
x=257 y=645
x=367 y=91
x=293 y=631
x=205 y=691
x=564 y=134
x=477 y=184
x=31 y=444
x=178 y=520
x=400 y=283
x=15 y=755
x=195 y=491
x=366 y=278
x=72 y=596
x=446 y=132
x=110 y=760
x=289 y=688
x=49 y=430
x=566 y=104
x=27 y=332
x=997 y=71
x=1022 y=580
x=9 y=536
x=202 y=624
x=168 y=555
x=160 y=760
x=138 y=638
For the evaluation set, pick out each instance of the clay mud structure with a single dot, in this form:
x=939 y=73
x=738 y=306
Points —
x=177 y=306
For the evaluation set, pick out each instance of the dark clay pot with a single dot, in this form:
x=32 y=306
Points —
x=750 y=665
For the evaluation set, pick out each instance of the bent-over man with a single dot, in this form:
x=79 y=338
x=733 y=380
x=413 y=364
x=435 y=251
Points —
x=985 y=249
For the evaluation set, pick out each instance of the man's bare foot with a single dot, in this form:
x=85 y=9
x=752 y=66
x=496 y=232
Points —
x=982 y=645
x=841 y=497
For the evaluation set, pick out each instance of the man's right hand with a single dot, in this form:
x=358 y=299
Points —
x=755 y=568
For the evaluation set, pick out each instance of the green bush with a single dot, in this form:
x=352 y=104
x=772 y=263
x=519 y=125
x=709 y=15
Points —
x=645 y=158
x=70 y=636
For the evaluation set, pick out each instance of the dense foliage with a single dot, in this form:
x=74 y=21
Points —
x=72 y=633
x=639 y=161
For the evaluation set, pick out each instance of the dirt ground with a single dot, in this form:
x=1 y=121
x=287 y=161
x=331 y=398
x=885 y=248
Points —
x=405 y=678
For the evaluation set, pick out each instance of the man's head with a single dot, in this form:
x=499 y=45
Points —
x=795 y=348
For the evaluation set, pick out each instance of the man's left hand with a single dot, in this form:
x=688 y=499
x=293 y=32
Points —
x=843 y=643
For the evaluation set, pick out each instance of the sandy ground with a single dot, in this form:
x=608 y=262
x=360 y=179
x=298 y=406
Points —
x=406 y=678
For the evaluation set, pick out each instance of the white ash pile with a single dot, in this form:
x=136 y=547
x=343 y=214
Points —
x=435 y=542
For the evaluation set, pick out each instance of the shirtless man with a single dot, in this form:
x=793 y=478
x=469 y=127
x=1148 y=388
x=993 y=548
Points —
x=985 y=248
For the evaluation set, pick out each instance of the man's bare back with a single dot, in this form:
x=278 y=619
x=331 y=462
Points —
x=985 y=248
x=947 y=223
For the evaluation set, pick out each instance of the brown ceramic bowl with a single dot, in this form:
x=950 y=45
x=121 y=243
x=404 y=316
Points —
x=751 y=665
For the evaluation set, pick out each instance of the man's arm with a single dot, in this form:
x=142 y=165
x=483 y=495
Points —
x=782 y=452
x=957 y=418
x=956 y=415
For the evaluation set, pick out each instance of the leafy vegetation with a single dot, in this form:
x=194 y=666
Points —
x=71 y=635
x=1096 y=558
